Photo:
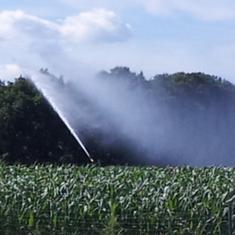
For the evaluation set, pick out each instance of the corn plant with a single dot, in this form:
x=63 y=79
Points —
x=93 y=200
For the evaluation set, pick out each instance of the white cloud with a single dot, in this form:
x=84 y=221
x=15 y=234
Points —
x=25 y=37
x=10 y=71
x=35 y=42
x=99 y=24
x=17 y=23
x=201 y=9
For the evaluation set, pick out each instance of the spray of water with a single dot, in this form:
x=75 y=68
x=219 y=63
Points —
x=114 y=109
x=66 y=122
x=42 y=87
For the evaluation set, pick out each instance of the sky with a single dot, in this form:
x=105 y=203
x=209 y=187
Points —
x=154 y=36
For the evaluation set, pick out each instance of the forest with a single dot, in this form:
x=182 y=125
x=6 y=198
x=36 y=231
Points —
x=183 y=118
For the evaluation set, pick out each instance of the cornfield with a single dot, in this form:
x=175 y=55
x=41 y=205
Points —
x=116 y=200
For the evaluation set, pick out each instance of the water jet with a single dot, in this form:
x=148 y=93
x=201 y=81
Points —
x=45 y=89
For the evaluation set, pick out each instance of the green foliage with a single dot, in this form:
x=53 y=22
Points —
x=97 y=200
x=30 y=129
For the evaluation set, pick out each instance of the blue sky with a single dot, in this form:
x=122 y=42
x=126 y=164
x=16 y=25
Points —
x=156 y=36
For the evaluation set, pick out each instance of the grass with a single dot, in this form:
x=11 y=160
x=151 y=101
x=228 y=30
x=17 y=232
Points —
x=116 y=200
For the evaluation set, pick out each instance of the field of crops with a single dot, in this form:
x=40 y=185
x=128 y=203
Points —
x=116 y=200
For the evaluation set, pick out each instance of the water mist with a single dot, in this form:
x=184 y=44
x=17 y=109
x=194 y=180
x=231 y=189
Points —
x=143 y=117
x=45 y=86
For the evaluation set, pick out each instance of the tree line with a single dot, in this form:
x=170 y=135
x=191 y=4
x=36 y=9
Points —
x=199 y=109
